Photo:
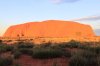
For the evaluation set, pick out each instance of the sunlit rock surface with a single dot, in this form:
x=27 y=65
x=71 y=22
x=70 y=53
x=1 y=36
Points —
x=50 y=28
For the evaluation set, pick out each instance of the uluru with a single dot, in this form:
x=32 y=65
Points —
x=50 y=28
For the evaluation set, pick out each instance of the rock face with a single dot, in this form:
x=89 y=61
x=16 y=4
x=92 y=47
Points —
x=50 y=28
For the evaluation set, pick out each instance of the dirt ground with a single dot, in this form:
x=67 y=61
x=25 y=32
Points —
x=26 y=60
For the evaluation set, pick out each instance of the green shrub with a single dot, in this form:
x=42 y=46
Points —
x=6 y=61
x=86 y=47
x=2 y=49
x=66 y=53
x=45 y=45
x=16 y=64
x=5 y=48
x=77 y=61
x=9 y=48
x=43 y=53
x=73 y=44
x=84 y=58
x=16 y=54
x=89 y=48
x=70 y=44
x=64 y=45
x=26 y=51
x=97 y=49
x=25 y=45
x=56 y=46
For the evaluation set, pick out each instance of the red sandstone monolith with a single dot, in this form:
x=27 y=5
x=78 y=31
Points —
x=50 y=28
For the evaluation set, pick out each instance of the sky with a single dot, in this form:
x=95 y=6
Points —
x=14 y=12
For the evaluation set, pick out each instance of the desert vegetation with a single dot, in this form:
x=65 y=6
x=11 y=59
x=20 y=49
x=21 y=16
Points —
x=78 y=53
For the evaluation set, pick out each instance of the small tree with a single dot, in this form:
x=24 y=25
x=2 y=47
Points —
x=0 y=41
x=73 y=44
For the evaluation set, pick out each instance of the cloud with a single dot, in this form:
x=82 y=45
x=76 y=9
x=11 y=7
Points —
x=90 y=18
x=63 y=1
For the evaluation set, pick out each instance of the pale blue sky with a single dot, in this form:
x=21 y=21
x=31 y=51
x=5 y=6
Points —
x=20 y=11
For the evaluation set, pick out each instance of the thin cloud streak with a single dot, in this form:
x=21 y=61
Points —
x=63 y=1
x=90 y=18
